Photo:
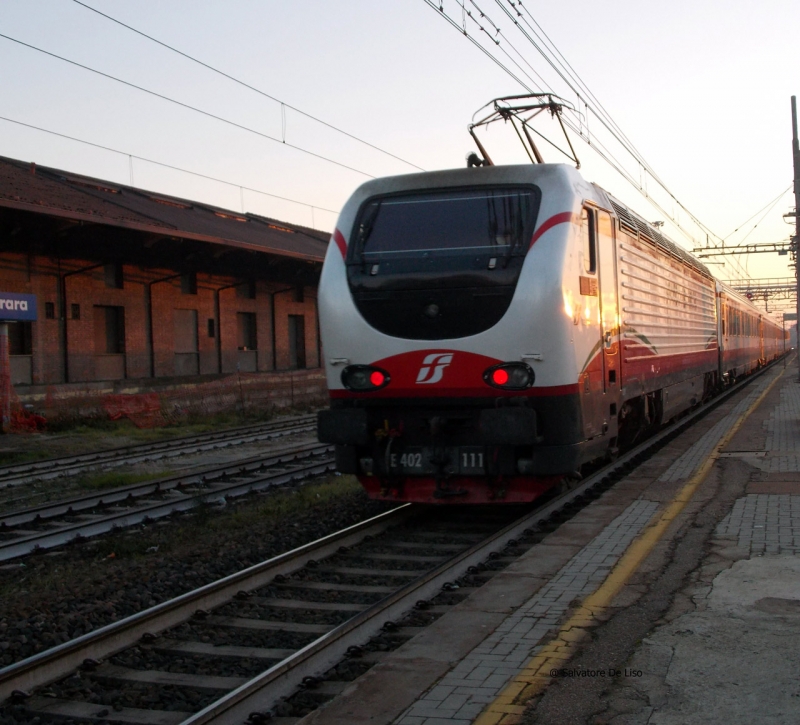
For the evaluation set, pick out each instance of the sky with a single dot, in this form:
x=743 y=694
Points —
x=700 y=87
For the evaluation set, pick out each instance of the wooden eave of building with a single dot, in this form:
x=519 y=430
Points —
x=59 y=194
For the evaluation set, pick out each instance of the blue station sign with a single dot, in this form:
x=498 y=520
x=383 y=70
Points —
x=17 y=307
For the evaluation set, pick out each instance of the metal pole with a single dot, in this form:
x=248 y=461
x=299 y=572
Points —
x=5 y=380
x=796 y=240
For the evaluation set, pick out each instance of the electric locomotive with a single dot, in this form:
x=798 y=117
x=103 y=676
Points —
x=488 y=331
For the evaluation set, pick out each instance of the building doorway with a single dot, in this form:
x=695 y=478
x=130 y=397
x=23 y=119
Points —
x=297 y=342
x=109 y=342
x=187 y=358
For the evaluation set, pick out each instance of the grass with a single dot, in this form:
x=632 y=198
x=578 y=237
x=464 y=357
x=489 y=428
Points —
x=206 y=520
x=93 y=434
x=9 y=458
x=284 y=504
x=192 y=424
x=206 y=529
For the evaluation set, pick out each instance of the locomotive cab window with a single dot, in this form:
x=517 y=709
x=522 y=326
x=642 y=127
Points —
x=440 y=263
x=495 y=222
x=589 y=240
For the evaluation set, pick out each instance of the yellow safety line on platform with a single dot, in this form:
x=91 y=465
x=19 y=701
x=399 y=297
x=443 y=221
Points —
x=512 y=701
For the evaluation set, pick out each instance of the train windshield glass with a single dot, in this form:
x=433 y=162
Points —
x=494 y=222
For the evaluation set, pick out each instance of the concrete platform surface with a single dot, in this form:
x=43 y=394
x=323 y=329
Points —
x=737 y=661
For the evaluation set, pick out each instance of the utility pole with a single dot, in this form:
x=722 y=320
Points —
x=796 y=240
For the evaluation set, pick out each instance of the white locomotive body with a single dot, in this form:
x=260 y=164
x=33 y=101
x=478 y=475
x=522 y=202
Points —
x=488 y=331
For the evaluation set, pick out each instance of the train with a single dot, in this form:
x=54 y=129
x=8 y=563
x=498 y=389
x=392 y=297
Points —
x=489 y=332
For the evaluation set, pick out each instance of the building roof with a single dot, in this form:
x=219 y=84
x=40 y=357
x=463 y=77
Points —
x=29 y=187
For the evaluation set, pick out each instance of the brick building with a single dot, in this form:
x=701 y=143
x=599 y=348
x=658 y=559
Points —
x=133 y=285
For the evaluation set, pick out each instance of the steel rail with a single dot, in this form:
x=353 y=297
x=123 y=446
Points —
x=100 y=524
x=54 y=663
x=49 y=468
x=120 y=494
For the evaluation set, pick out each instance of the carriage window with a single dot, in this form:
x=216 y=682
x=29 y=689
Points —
x=588 y=240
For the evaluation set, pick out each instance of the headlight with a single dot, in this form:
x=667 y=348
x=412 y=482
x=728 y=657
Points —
x=509 y=376
x=364 y=378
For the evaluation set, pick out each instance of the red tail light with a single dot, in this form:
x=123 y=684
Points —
x=364 y=378
x=510 y=376
x=499 y=376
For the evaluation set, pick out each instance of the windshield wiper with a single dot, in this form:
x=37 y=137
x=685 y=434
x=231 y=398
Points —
x=367 y=225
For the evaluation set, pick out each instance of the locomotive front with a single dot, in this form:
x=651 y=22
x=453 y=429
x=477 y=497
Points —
x=449 y=353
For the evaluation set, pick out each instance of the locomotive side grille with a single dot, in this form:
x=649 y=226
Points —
x=666 y=309
x=626 y=220
x=646 y=231
x=637 y=226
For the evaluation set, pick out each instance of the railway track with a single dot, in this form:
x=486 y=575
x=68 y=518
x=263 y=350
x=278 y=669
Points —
x=229 y=651
x=51 y=468
x=56 y=524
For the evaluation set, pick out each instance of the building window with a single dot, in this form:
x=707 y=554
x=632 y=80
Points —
x=49 y=311
x=189 y=283
x=75 y=311
x=246 y=330
x=113 y=275
x=246 y=290
x=212 y=328
x=19 y=338
x=109 y=330
x=297 y=342
x=299 y=295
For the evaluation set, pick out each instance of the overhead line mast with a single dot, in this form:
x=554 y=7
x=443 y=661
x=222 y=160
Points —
x=796 y=238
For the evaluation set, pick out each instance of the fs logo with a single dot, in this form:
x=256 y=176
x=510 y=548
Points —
x=433 y=367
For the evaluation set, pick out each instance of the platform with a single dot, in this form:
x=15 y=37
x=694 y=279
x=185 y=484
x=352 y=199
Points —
x=672 y=599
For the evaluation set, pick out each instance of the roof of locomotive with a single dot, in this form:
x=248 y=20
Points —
x=527 y=173
x=522 y=173
x=504 y=174
x=636 y=225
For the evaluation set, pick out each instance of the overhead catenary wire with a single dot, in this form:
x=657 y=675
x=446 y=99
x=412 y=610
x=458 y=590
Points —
x=603 y=116
x=545 y=39
x=603 y=152
x=576 y=85
x=598 y=111
x=633 y=152
x=764 y=216
x=242 y=83
x=769 y=204
x=473 y=41
x=165 y=165
x=208 y=114
x=605 y=119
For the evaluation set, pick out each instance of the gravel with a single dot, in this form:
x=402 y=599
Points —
x=276 y=614
x=142 y=658
x=53 y=598
x=217 y=635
